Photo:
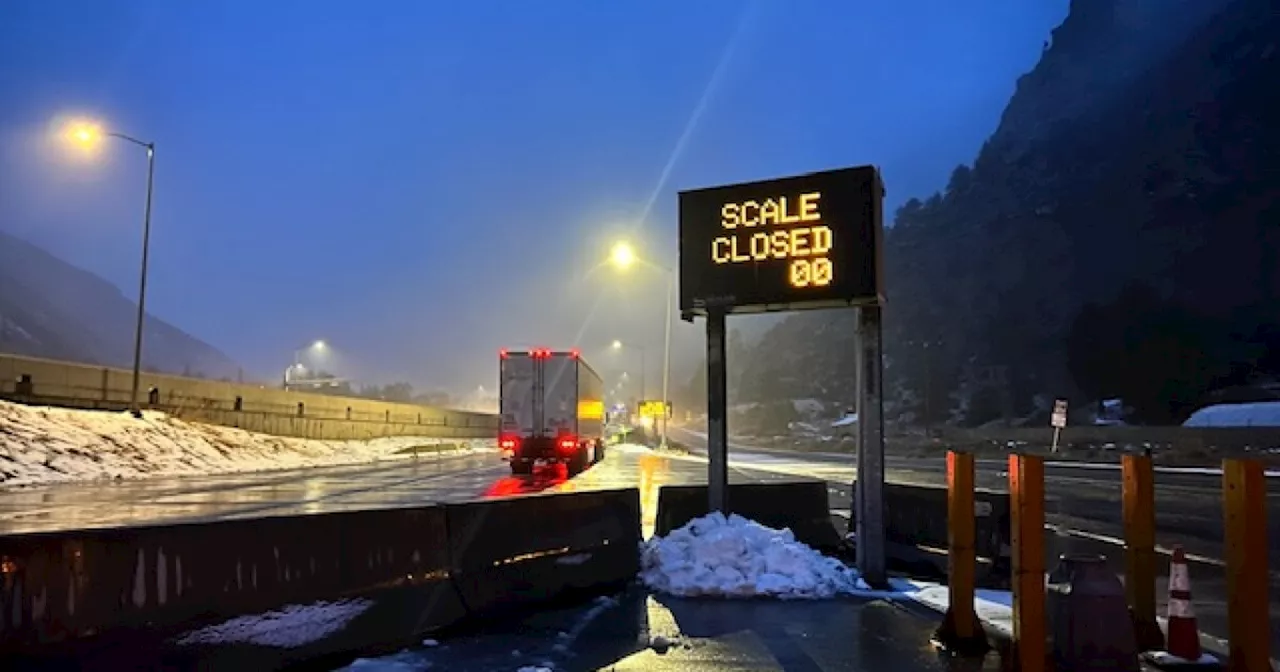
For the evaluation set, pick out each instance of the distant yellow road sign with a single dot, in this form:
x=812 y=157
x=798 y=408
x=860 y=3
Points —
x=653 y=409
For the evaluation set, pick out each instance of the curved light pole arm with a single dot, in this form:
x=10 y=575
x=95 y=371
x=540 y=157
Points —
x=130 y=138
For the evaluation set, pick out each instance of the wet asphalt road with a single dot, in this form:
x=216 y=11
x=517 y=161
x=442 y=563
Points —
x=388 y=484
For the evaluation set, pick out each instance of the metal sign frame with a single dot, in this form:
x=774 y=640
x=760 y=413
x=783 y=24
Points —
x=853 y=245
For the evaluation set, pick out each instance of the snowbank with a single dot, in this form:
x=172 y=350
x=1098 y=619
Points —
x=736 y=557
x=50 y=445
x=1256 y=414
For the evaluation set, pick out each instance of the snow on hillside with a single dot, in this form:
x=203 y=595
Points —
x=49 y=445
x=1255 y=414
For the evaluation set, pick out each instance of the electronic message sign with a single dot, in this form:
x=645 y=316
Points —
x=794 y=243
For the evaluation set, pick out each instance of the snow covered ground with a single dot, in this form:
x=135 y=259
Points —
x=41 y=445
x=286 y=628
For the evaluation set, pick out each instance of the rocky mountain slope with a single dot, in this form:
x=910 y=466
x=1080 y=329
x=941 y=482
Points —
x=49 y=308
x=1117 y=234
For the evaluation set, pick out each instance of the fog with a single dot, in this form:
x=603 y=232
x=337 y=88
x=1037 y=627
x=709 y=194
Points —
x=420 y=186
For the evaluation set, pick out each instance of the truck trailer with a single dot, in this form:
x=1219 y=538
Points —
x=552 y=408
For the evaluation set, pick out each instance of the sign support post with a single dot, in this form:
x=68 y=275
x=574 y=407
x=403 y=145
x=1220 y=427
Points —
x=869 y=492
x=717 y=414
x=1059 y=421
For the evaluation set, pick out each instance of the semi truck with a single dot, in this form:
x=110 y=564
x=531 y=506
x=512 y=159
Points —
x=552 y=408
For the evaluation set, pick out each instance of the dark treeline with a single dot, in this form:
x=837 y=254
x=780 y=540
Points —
x=1118 y=236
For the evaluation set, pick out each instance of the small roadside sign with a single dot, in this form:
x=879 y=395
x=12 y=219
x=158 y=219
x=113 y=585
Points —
x=1059 y=418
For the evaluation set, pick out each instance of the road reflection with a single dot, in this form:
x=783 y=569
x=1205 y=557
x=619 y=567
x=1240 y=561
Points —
x=654 y=472
x=543 y=477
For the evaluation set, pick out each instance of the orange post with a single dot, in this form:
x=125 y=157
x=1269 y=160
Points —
x=1244 y=492
x=960 y=631
x=1026 y=494
x=1139 y=502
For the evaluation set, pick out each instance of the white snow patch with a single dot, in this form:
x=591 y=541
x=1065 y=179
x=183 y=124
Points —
x=1164 y=658
x=40 y=445
x=405 y=661
x=994 y=607
x=287 y=628
x=1253 y=414
x=848 y=420
x=735 y=557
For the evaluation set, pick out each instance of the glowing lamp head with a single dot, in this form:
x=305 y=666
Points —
x=84 y=134
x=617 y=345
x=622 y=255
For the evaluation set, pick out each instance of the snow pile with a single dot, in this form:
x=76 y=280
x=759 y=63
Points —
x=1255 y=414
x=737 y=557
x=288 y=628
x=48 y=445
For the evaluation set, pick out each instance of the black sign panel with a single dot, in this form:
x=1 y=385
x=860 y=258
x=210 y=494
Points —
x=808 y=241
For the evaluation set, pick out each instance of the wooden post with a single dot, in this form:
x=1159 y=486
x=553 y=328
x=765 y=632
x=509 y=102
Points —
x=1244 y=492
x=1026 y=493
x=961 y=632
x=1139 y=504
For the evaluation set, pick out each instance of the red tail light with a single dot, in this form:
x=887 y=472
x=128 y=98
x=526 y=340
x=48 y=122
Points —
x=567 y=444
x=508 y=442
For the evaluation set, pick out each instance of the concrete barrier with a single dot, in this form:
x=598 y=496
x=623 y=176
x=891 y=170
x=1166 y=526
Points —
x=255 y=408
x=801 y=506
x=120 y=598
x=509 y=553
x=916 y=526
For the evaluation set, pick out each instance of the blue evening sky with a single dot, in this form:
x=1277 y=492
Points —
x=422 y=182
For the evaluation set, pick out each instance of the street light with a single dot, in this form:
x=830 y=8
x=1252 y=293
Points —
x=623 y=256
x=297 y=360
x=88 y=135
x=317 y=346
x=619 y=345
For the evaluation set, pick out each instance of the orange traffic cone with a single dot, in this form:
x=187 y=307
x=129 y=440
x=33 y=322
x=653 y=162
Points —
x=1184 y=635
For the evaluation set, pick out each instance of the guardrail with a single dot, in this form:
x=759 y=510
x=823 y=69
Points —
x=1221 y=437
x=254 y=408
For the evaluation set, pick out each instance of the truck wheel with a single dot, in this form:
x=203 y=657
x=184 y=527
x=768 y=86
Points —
x=520 y=467
x=599 y=452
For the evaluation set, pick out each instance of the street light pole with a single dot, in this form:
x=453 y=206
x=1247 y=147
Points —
x=666 y=358
x=134 y=407
x=87 y=134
